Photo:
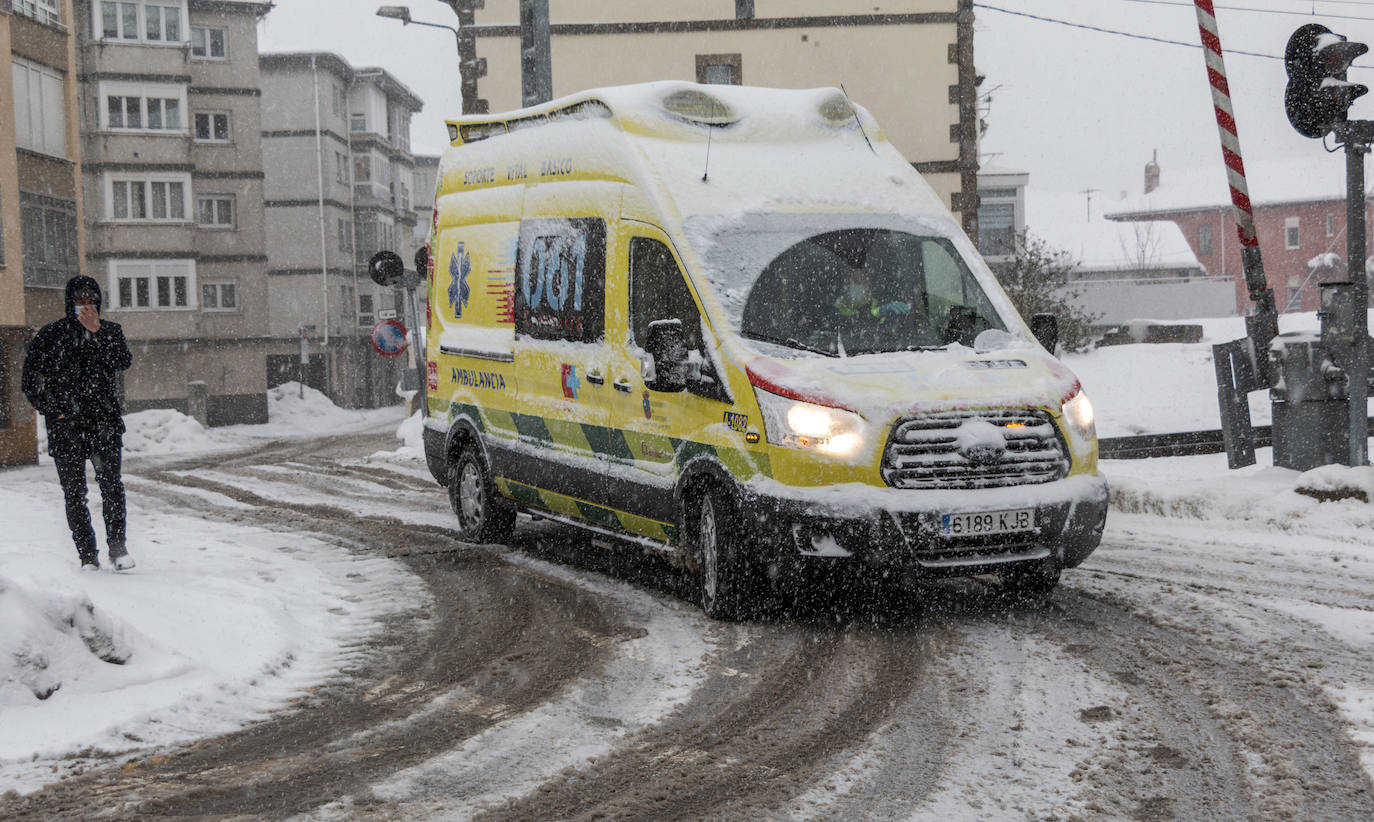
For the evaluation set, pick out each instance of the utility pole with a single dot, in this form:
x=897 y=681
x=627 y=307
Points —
x=536 y=66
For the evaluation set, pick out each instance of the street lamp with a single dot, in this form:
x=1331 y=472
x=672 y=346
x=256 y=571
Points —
x=402 y=13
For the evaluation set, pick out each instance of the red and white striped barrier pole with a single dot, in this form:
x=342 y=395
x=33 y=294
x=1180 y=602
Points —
x=1262 y=325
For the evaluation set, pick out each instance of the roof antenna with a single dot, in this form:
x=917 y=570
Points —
x=857 y=121
x=707 y=170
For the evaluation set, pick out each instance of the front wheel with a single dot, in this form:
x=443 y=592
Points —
x=717 y=548
x=483 y=516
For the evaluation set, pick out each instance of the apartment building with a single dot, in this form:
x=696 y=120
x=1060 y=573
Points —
x=910 y=62
x=40 y=202
x=173 y=193
x=341 y=186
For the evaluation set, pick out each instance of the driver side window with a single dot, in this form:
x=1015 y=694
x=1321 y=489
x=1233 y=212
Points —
x=659 y=292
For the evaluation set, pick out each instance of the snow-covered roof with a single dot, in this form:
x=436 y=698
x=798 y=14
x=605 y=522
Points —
x=1321 y=177
x=1062 y=221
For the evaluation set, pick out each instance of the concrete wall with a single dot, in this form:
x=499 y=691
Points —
x=1119 y=301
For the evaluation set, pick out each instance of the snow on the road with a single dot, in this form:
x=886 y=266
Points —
x=220 y=623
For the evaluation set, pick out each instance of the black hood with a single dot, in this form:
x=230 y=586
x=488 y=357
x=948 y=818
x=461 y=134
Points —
x=78 y=282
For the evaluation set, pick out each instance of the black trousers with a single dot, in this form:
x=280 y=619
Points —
x=105 y=454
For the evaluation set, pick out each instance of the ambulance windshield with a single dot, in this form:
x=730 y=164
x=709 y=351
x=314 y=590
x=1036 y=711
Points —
x=848 y=291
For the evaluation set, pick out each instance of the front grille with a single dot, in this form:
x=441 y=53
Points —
x=962 y=449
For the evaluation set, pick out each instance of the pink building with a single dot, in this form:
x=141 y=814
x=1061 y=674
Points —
x=1300 y=218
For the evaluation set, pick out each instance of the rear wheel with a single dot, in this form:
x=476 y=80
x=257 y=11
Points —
x=717 y=547
x=483 y=516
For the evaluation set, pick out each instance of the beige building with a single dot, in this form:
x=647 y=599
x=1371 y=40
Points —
x=341 y=185
x=40 y=201
x=909 y=62
x=173 y=180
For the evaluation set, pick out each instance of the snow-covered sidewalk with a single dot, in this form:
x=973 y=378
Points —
x=220 y=624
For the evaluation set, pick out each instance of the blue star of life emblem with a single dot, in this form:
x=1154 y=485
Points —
x=459 y=266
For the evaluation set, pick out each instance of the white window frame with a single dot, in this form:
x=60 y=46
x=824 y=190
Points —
x=1292 y=237
x=146 y=287
x=47 y=12
x=216 y=201
x=149 y=96
x=202 y=38
x=210 y=119
x=121 y=186
x=40 y=107
x=140 y=32
x=220 y=287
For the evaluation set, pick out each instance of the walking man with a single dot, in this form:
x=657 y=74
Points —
x=71 y=375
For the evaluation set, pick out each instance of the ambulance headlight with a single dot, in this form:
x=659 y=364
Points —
x=835 y=432
x=1078 y=414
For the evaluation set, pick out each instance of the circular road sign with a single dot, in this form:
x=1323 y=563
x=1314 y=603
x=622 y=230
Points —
x=389 y=338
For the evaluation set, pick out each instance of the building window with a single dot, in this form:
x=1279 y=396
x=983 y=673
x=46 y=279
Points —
x=366 y=312
x=40 y=111
x=1204 y=238
x=997 y=229
x=162 y=23
x=208 y=43
x=150 y=21
x=44 y=11
x=1331 y=225
x=340 y=100
x=212 y=126
x=1290 y=233
x=341 y=167
x=145 y=285
x=219 y=296
x=744 y=9
x=345 y=235
x=152 y=199
x=720 y=69
x=139 y=107
x=49 y=233
x=357 y=123
x=215 y=211
x=362 y=168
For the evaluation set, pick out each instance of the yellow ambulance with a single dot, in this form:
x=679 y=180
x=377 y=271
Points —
x=733 y=324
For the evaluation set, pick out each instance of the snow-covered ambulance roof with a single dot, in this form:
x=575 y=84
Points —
x=715 y=148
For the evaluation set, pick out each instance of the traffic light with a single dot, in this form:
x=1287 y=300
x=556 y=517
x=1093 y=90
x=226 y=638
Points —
x=1318 y=94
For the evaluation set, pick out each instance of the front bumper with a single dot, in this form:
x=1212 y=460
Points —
x=890 y=528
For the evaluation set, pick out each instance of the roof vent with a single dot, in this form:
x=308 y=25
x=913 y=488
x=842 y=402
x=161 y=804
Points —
x=699 y=107
x=835 y=108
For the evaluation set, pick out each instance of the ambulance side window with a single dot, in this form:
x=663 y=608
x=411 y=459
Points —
x=658 y=292
x=560 y=279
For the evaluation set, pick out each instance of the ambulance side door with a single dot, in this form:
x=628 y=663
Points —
x=656 y=423
x=559 y=354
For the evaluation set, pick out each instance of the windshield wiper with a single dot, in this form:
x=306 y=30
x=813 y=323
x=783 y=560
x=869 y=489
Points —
x=790 y=343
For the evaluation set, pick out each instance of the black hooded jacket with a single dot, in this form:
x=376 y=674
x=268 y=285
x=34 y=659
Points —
x=72 y=373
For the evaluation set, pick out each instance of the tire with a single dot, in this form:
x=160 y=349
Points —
x=483 y=516
x=716 y=545
x=1029 y=583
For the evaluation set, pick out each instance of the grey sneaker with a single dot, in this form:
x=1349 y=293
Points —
x=123 y=562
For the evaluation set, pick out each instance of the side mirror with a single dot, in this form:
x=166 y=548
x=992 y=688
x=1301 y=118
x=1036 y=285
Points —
x=386 y=268
x=422 y=262
x=1045 y=329
x=667 y=347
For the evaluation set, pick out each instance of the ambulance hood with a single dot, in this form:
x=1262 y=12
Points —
x=883 y=387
